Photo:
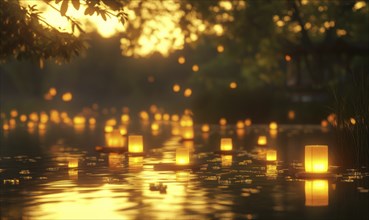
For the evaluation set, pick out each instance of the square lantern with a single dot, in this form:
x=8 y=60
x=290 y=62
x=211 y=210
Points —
x=187 y=133
x=226 y=144
x=114 y=139
x=316 y=193
x=262 y=140
x=316 y=158
x=135 y=144
x=182 y=156
x=271 y=155
x=73 y=163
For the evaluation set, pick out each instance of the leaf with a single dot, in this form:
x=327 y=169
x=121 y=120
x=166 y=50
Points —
x=64 y=7
x=103 y=15
x=76 y=4
x=57 y=1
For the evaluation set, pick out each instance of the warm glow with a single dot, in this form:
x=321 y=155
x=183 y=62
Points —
x=158 y=116
x=222 y=122
x=316 y=193
x=108 y=128
x=248 y=122
x=166 y=117
x=23 y=118
x=176 y=130
x=125 y=118
x=240 y=125
x=73 y=163
x=79 y=120
x=114 y=139
x=220 y=48
x=271 y=171
x=13 y=113
x=226 y=160
x=262 y=140
x=122 y=130
x=288 y=58
x=144 y=116
x=205 y=128
x=291 y=114
x=352 y=121
x=186 y=121
x=115 y=160
x=52 y=91
x=187 y=132
x=92 y=121
x=271 y=155
x=181 y=60
x=182 y=156
x=155 y=126
x=135 y=162
x=135 y=144
x=41 y=126
x=233 y=85
x=176 y=88
x=175 y=118
x=30 y=125
x=316 y=158
x=195 y=68
x=324 y=123
x=33 y=117
x=67 y=97
x=226 y=144
x=273 y=126
x=44 y=117
x=5 y=127
x=187 y=92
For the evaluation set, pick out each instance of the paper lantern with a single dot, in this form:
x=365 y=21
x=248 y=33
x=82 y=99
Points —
x=79 y=120
x=186 y=121
x=114 y=139
x=125 y=118
x=316 y=193
x=316 y=158
x=135 y=144
x=222 y=122
x=187 y=133
x=108 y=128
x=262 y=140
x=226 y=160
x=291 y=114
x=271 y=155
x=92 y=121
x=226 y=144
x=176 y=130
x=205 y=128
x=248 y=122
x=273 y=125
x=154 y=126
x=73 y=163
x=240 y=125
x=182 y=156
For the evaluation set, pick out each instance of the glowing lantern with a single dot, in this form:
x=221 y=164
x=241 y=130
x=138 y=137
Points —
x=155 y=126
x=223 y=122
x=273 y=126
x=175 y=117
x=122 y=130
x=144 y=116
x=114 y=139
x=271 y=155
x=125 y=118
x=240 y=125
x=67 y=97
x=166 y=117
x=176 y=129
x=176 y=88
x=186 y=121
x=226 y=144
x=182 y=156
x=44 y=117
x=324 y=123
x=316 y=158
x=205 y=128
x=153 y=108
x=158 y=117
x=248 y=122
x=226 y=160
x=288 y=58
x=233 y=85
x=33 y=117
x=41 y=126
x=316 y=193
x=262 y=140
x=187 y=92
x=108 y=128
x=13 y=113
x=12 y=123
x=135 y=144
x=5 y=127
x=352 y=121
x=181 y=60
x=30 y=125
x=187 y=132
x=195 y=68
x=220 y=48
x=291 y=114
x=92 y=121
x=273 y=133
x=52 y=91
x=23 y=118
x=79 y=120
x=72 y=162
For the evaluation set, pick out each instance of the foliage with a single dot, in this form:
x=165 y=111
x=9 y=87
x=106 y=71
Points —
x=25 y=34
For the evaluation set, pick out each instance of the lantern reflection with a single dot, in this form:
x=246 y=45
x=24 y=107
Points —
x=183 y=175
x=316 y=193
x=226 y=160
x=187 y=133
x=73 y=174
x=175 y=129
x=114 y=139
x=273 y=133
x=316 y=158
x=271 y=171
x=271 y=155
x=73 y=163
x=135 y=163
x=135 y=144
x=182 y=156
x=115 y=160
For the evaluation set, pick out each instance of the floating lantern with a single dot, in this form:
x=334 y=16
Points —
x=248 y=122
x=154 y=126
x=187 y=132
x=233 y=85
x=183 y=175
x=30 y=125
x=205 y=128
x=187 y=92
x=44 y=117
x=166 y=117
x=181 y=60
x=175 y=118
x=240 y=125
x=67 y=97
x=52 y=91
x=122 y=130
x=226 y=144
x=33 y=117
x=12 y=123
x=262 y=140
x=271 y=155
x=352 y=121
x=186 y=121
x=291 y=114
x=92 y=121
x=111 y=122
x=41 y=126
x=316 y=193
x=158 y=116
x=23 y=118
x=324 y=123
x=115 y=160
x=144 y=116
x=273 y=125
x=226 y=160
x=220 y=48
x=222 y=122
x=125 y=118
x=153 y=108
x=5 y=127
x=240 y=133
x=79 y=120
x=195 y=68
x=114 y=139
x=182 y=156
x=135 y=144
x=108 y=128
x=273 y=133
x=316 y=158
x=176 y=88
x=13 y=113
x=73 y=163
x=176 y=129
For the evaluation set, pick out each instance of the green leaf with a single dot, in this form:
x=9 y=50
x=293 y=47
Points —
x=64 y=7
x=76 y=4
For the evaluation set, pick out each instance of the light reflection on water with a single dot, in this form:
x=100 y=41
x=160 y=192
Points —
x=79 y=183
